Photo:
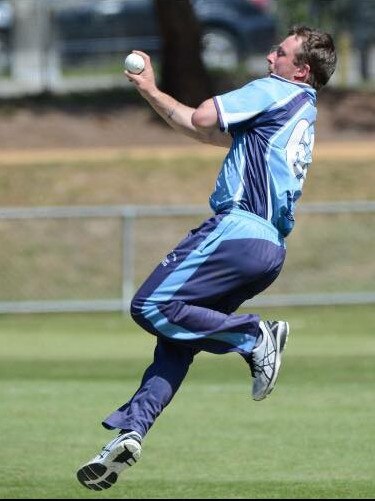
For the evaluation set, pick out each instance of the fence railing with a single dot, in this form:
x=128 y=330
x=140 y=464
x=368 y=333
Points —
x=92 y=258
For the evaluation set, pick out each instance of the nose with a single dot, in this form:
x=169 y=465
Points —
x=271 y=54
x=271 y=57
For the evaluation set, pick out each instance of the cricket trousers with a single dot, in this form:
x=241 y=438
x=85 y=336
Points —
x=189 y=303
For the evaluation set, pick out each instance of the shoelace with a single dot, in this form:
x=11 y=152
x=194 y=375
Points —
x=258 y=368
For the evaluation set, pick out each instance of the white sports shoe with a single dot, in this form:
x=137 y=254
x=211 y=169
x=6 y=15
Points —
x=102 y=471
x=265 y=359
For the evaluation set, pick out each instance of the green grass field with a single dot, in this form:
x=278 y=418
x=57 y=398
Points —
x=313 y=438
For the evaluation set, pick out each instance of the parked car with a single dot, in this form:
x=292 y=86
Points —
x=232 y=30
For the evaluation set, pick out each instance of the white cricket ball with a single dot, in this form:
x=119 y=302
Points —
x=134 y=63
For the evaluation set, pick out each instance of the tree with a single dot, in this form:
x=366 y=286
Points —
x=351 y=22
x=183 y=73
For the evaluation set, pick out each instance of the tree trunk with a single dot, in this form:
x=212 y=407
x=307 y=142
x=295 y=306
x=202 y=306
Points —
x=183 y=74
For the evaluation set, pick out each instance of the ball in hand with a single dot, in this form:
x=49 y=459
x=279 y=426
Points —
x=134 y=63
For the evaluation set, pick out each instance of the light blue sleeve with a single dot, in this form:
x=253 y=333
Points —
x=241 y=105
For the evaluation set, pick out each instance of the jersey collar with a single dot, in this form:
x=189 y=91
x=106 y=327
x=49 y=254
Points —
x=300 y=84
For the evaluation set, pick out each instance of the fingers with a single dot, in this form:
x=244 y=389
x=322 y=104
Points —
x=133 y=77
x=128 y=75
x=147 y=68
x=145 y=56
x=145 y=73
x=144 y=81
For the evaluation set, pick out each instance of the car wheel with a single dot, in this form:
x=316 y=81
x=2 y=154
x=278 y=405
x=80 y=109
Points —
x=219 y=49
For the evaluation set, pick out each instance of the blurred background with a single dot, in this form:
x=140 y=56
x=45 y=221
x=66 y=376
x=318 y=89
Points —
x=64 y=45
x=88 y=170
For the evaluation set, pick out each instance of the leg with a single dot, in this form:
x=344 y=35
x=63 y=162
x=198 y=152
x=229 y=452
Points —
x=160 y=382
x=189 y=303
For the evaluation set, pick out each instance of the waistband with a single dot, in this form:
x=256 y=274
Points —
x=267 y=225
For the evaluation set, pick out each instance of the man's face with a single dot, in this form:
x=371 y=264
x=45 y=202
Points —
x=280 y=59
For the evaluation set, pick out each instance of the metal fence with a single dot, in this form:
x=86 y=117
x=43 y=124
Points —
x=65 y=259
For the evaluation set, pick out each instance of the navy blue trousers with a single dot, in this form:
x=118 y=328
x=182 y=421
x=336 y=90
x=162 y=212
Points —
x=189 y=303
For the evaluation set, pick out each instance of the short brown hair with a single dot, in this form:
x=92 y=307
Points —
x=318 y=51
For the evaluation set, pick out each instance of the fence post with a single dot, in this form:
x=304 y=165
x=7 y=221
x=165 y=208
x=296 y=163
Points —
x=128 y=255
x=35 y=59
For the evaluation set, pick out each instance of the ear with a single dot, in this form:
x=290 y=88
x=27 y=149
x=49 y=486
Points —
x=302 y=72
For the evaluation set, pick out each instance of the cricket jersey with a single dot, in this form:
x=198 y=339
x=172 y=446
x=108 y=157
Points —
x=271 y=121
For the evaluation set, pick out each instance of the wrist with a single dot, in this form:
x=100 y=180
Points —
x=151 y=94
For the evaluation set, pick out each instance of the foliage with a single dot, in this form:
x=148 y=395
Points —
x=330 y=15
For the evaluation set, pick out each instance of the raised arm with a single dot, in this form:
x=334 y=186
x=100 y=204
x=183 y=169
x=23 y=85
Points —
x=199 y=123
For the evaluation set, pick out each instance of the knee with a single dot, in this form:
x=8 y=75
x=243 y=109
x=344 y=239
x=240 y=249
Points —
x=136 y=310
x=142 y=313
x=141 y=309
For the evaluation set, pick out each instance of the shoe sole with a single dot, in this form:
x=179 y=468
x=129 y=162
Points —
x=281 y=341
x=94 y=477
x=98 y=476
